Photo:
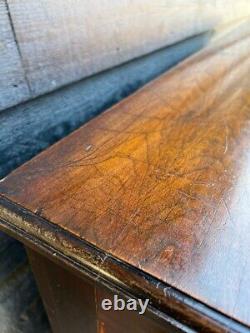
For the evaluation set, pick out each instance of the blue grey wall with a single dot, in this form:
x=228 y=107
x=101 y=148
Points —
x=31 y=127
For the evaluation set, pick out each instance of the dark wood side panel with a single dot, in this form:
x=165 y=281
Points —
x=70 y=302
x=125 y=321
x=74 y=305
x=86 y=261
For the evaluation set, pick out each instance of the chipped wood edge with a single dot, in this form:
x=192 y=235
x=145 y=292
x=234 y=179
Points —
x=84 y=259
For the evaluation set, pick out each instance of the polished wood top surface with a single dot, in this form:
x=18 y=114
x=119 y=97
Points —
x=162 y=180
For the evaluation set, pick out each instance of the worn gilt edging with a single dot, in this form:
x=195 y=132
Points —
x=83 y=272
x=119 y=287
x=98 y=266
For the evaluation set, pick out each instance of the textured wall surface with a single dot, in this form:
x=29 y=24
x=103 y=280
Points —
x=63 y=41
x=13 y=85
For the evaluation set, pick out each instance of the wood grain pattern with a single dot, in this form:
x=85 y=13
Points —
x=13 y=85
x=31 y=127
x=67 y=40
x=161 y=181
x=28 y=128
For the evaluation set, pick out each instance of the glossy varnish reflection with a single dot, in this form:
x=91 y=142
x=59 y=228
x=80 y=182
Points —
x=162 y=180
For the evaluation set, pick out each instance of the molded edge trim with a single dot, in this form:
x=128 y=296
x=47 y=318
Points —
x=166 y=302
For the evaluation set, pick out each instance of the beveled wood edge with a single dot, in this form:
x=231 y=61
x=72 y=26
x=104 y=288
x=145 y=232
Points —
x=86 y=260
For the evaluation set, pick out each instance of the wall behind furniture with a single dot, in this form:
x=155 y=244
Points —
x=48 y=44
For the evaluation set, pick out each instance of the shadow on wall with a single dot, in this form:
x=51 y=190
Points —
x=30 y=127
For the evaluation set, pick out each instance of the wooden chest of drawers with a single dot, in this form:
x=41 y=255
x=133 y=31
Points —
x=150 y=200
